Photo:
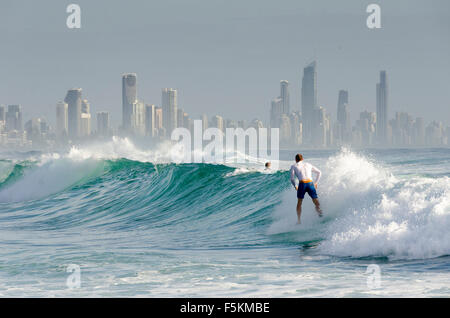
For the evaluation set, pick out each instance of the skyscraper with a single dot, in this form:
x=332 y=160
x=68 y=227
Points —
x=103 y=123
x=2 y=120
x=434 y=134
x=320 y=127
x=85 y=121
x=158 y=118
x=36 y=129
x=205 y=122
x=276 y=110
x=402 y=127
x=217 y=121
x=180 y=118
x=61 y=119
x=150 y=120
x=13 y=118
x=284 y=96
x=183 y=119
x=170 y=109
x=85 y=106
x=309 y=99
x=382 y=109
x=285 y=128
x=73 y=100
x=419 y=132
x=295 y=118
x=187 y=122
x=2 y=113
x=129 y=97
x=343 y=117
x=365 y=125
x=138 y=118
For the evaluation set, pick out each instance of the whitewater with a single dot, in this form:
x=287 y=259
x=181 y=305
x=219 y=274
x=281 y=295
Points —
x=140 y=224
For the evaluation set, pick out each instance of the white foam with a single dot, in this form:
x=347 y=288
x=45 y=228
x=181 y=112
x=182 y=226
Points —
x=411 y=220
x=373 y=212
x=122 y=148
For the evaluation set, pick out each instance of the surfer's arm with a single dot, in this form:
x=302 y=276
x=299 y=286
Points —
x=293 y=177
x=317 y=172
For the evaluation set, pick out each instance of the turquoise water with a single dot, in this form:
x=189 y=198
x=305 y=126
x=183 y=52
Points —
x=138 y=225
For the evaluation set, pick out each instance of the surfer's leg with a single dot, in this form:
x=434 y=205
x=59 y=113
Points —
x=317 y=204
x=313 y=194
x=299 y=210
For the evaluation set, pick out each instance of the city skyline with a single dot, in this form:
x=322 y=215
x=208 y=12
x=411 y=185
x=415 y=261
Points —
x=313 y=126
x=229 y=58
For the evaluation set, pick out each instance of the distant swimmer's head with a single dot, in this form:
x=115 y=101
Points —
x=268 y=164
x=298 y=157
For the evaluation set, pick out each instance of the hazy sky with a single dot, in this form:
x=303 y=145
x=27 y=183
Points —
x=225 y=57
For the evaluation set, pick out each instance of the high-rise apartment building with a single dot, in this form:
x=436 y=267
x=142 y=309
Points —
x=13 y=118
x=2 y=113
x=382 y=109
x=138 y=118
x=129 y=97
x=217 y=121
x=61 y=119
x=73 y=100
x=170 y=109
x=160 y=131
x=284 y=96
x=309 y=100
x=276 y=110
x=103 y=124
x=150 y=128
x=85 y=120
x=343 y=117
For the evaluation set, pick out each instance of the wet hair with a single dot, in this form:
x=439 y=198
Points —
x=298 y=157
x=267 y=164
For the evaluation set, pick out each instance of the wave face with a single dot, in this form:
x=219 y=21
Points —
x=371 y=209
x=173 y=205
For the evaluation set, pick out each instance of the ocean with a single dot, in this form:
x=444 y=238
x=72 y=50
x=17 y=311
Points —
x=115 y=220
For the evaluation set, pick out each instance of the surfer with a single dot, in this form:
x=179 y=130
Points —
x=303 y=171
x=268 y=165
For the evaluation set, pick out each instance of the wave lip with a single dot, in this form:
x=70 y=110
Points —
x=51 y=173
x=41 y=175
x=40 y=180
